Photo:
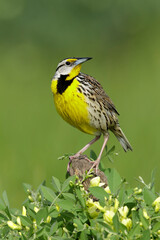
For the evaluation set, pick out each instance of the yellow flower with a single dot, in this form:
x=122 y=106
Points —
x=98 y=206
x=48 y=219
x=30 y=198
x=110 y=200
x=95 y=182
x=137 y=190
x=89 y=202
x=156 y=204
x=14 y=226
x=24 y=211
x=36 y=209
x=123 y=211
x=145 y=214
x=93 y=211
x=127 y=222
x=116 y=204
x=19 y=221
x=34 y=224
x=156 y=201
x=94 y=208
x=108 y=216
x=57 y=207
x=107 y=189
x=134 y=209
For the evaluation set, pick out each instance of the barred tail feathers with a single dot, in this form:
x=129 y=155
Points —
x=122 y=138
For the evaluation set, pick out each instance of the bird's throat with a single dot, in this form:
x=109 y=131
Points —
x=63 y=84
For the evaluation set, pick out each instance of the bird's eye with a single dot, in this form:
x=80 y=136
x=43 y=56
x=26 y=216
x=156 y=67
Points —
x=68 y=63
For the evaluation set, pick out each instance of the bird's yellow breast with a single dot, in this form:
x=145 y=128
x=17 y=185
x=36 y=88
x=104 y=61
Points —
x=72 y=107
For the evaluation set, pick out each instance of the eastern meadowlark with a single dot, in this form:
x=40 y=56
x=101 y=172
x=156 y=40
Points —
x=82 y=102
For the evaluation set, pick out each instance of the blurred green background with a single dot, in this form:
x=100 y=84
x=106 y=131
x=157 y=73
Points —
x=123 y=37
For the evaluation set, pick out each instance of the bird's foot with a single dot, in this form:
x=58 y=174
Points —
x=95 y=165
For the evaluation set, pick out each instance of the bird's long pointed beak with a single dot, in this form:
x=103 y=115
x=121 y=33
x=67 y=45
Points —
x=81 y=60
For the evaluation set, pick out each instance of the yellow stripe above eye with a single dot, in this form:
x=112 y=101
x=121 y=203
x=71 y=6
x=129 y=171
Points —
x=71 y=60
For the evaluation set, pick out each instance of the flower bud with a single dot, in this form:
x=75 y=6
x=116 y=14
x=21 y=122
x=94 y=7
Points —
x=156 y=201
x=48 y=219
x=145 y=214
x=19 y=221
x=127 y=222
x=34 y=224
x=30 y=198
x=123 y=211
x=14 y=226
x=107 y=189
x=116 y=204
x=24 y=211
x=156 y=204
x=36 y=209
x=93 y=212
x=137 y=191
x=95 y=182
x=108 y=216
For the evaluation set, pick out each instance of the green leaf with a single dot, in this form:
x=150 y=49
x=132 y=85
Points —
x=27 y=187
x=83 y=216
x=31 y=212
x=5 y=198
x=56 y=184
x=107 y=228
x=2 y=216
x=121 y=196
x=83 y=235
x=153 y=178
x=53 y=212
x=40 y=233
x=69 y=196
x=66 y=205
x=7 y=211
x=116 y=222
x=146 y=235
x=109 y=154
x=54 y=228
x=135 y=218
x=26 y=221
x=93 y=155
x=48 y=193
x=79 y=224
x=23 y=237
x=114 y=179
x=149 y=196
x=2 y=205
x=156 y=227
x=65 y=185
x=134 y=231
x=80 y=198
x=99 y=193
x=111 y=150
x=41 y=215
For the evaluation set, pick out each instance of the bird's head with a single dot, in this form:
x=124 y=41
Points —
x=69 y=67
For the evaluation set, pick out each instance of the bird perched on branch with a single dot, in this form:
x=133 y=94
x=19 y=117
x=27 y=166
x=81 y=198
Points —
x=82 y=102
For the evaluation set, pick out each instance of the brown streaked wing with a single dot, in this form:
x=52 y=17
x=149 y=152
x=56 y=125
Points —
x=100 y=93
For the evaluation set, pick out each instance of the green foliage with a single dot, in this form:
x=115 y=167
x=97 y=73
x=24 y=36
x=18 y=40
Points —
x=67 y=211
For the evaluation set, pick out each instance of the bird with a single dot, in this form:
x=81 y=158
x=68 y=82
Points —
x=82 y=102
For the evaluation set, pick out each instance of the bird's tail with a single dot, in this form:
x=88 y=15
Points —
x=122 y=138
